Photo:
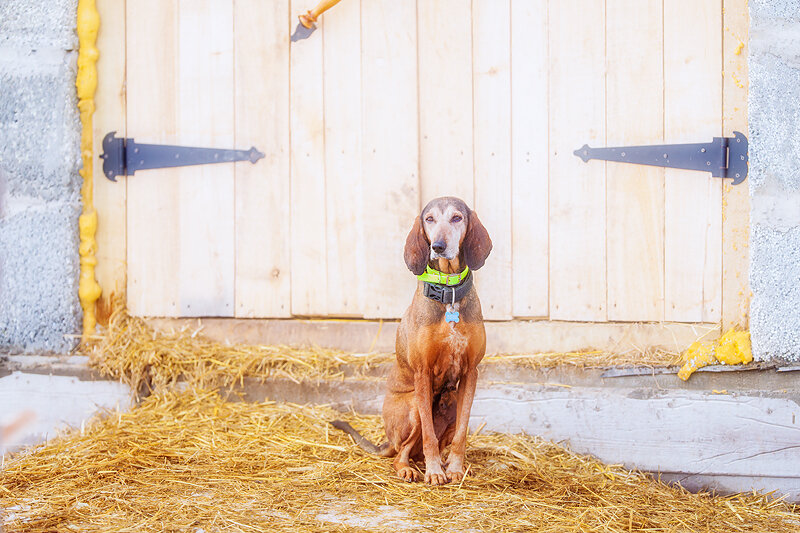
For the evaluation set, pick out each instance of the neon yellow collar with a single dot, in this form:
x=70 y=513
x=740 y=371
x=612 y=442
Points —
x=434 y=276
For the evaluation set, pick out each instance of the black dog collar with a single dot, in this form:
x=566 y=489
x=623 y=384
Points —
x=447 y=294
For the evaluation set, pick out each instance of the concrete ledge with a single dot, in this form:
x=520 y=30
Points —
x=724 y=429
x=58 y=402
x=729 y=431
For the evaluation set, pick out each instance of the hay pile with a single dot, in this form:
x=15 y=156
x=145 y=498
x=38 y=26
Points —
x=193 y=462
x=132 y=351
x=147 y=360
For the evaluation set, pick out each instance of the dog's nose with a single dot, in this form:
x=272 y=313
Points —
x=438 y=246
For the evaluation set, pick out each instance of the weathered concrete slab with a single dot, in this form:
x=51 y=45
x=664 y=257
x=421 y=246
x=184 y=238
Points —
x=58 y=402
x=729 y=431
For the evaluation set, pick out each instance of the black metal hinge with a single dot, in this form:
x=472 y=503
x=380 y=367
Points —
x=724 y=157
x=123 y=157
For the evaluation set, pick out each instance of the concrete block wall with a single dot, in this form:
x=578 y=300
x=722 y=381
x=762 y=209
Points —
x=774 y=122
x=39 y=180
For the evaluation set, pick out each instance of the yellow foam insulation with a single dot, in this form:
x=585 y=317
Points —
x=733 y=348
x=86 y=83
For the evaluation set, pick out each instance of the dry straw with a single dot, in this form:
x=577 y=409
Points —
x=132 y=351
x=194 y=462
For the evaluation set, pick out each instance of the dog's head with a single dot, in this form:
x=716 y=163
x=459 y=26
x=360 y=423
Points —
x=446 y=229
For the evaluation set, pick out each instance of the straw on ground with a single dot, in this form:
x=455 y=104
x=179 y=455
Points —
x=192 y=461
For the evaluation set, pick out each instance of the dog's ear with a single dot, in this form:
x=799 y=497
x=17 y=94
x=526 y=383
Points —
x=477 y=244
x=417 y=250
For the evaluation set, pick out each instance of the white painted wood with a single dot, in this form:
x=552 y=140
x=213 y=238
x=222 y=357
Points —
x=529 y=157
x=577 y=189
x=735 y=200
x=205 y=98
x=390 y=153
x=262 y=221
x=153 y=197
x=109 y=115
x=692 y=113
x=345 y=223
x=308 y=235
x=57 y=403
x=506 y=337
x=635 y=193
x=671 y=431
x=445 y=99
x=491 y=38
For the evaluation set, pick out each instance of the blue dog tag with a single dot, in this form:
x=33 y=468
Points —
x=451 y=316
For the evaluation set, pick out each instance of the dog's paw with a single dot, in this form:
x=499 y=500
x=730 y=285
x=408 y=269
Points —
x=435 y=475
x=408 y=474
x=455 y=470
x=455 y=475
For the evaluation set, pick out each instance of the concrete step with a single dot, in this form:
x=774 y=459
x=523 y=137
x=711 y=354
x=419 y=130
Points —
x=728 y=429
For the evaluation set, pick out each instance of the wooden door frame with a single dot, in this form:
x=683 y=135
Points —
x=110 y=203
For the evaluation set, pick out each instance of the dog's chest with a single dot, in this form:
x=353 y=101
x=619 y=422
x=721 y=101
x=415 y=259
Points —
x=453 y=346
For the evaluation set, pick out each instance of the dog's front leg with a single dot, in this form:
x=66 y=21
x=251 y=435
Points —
x=466 y=393
x=434 y=473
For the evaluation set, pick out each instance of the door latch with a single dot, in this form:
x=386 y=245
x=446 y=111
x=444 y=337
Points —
x=724 y=157
x=123 y=156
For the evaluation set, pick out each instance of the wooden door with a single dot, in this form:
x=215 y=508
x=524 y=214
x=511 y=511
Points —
x=389 y=104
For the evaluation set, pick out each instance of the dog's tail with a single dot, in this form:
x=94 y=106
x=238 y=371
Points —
x=383 y=450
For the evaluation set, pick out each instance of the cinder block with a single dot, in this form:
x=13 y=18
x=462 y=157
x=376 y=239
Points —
x=779 y=9
x=39 y=271
x=40 y=133
x=774 y=122
x=39 y=23
x=774 y=279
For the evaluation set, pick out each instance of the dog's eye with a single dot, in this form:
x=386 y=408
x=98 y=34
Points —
x=428 y=218
x=456 y=218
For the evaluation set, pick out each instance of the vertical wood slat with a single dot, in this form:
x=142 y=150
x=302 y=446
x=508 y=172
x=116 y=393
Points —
x=529 y=157
x=109 y=196
x=635 y=193
x=205 y=118
x=491 y=27
x=308 y=235
x=263 y=282
x=693 y=201
x=152 y=196
x=342 y=94
x=577 y=189
x=445 y=99
x=735 y=200
x=390 y=153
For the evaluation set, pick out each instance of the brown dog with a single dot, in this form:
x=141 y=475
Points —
x=440 y=341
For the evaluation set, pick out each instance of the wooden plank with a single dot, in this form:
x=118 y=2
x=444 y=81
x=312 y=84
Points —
x=529 y=157
x=308 y=235
x=263 y=283
x=109 y=197
x=390 y=152
x=491 y=37
x=693 y=201
x=517 y=336
x=153 y=196
x=635 y=193
x=577 y=189
x=205 y=98
x=344 y=201
x=445 y=99
x=735 y=200
x=709 y=433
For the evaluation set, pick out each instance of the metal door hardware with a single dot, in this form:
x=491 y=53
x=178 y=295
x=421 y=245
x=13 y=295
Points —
x=123 y=157
x=724 y=157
